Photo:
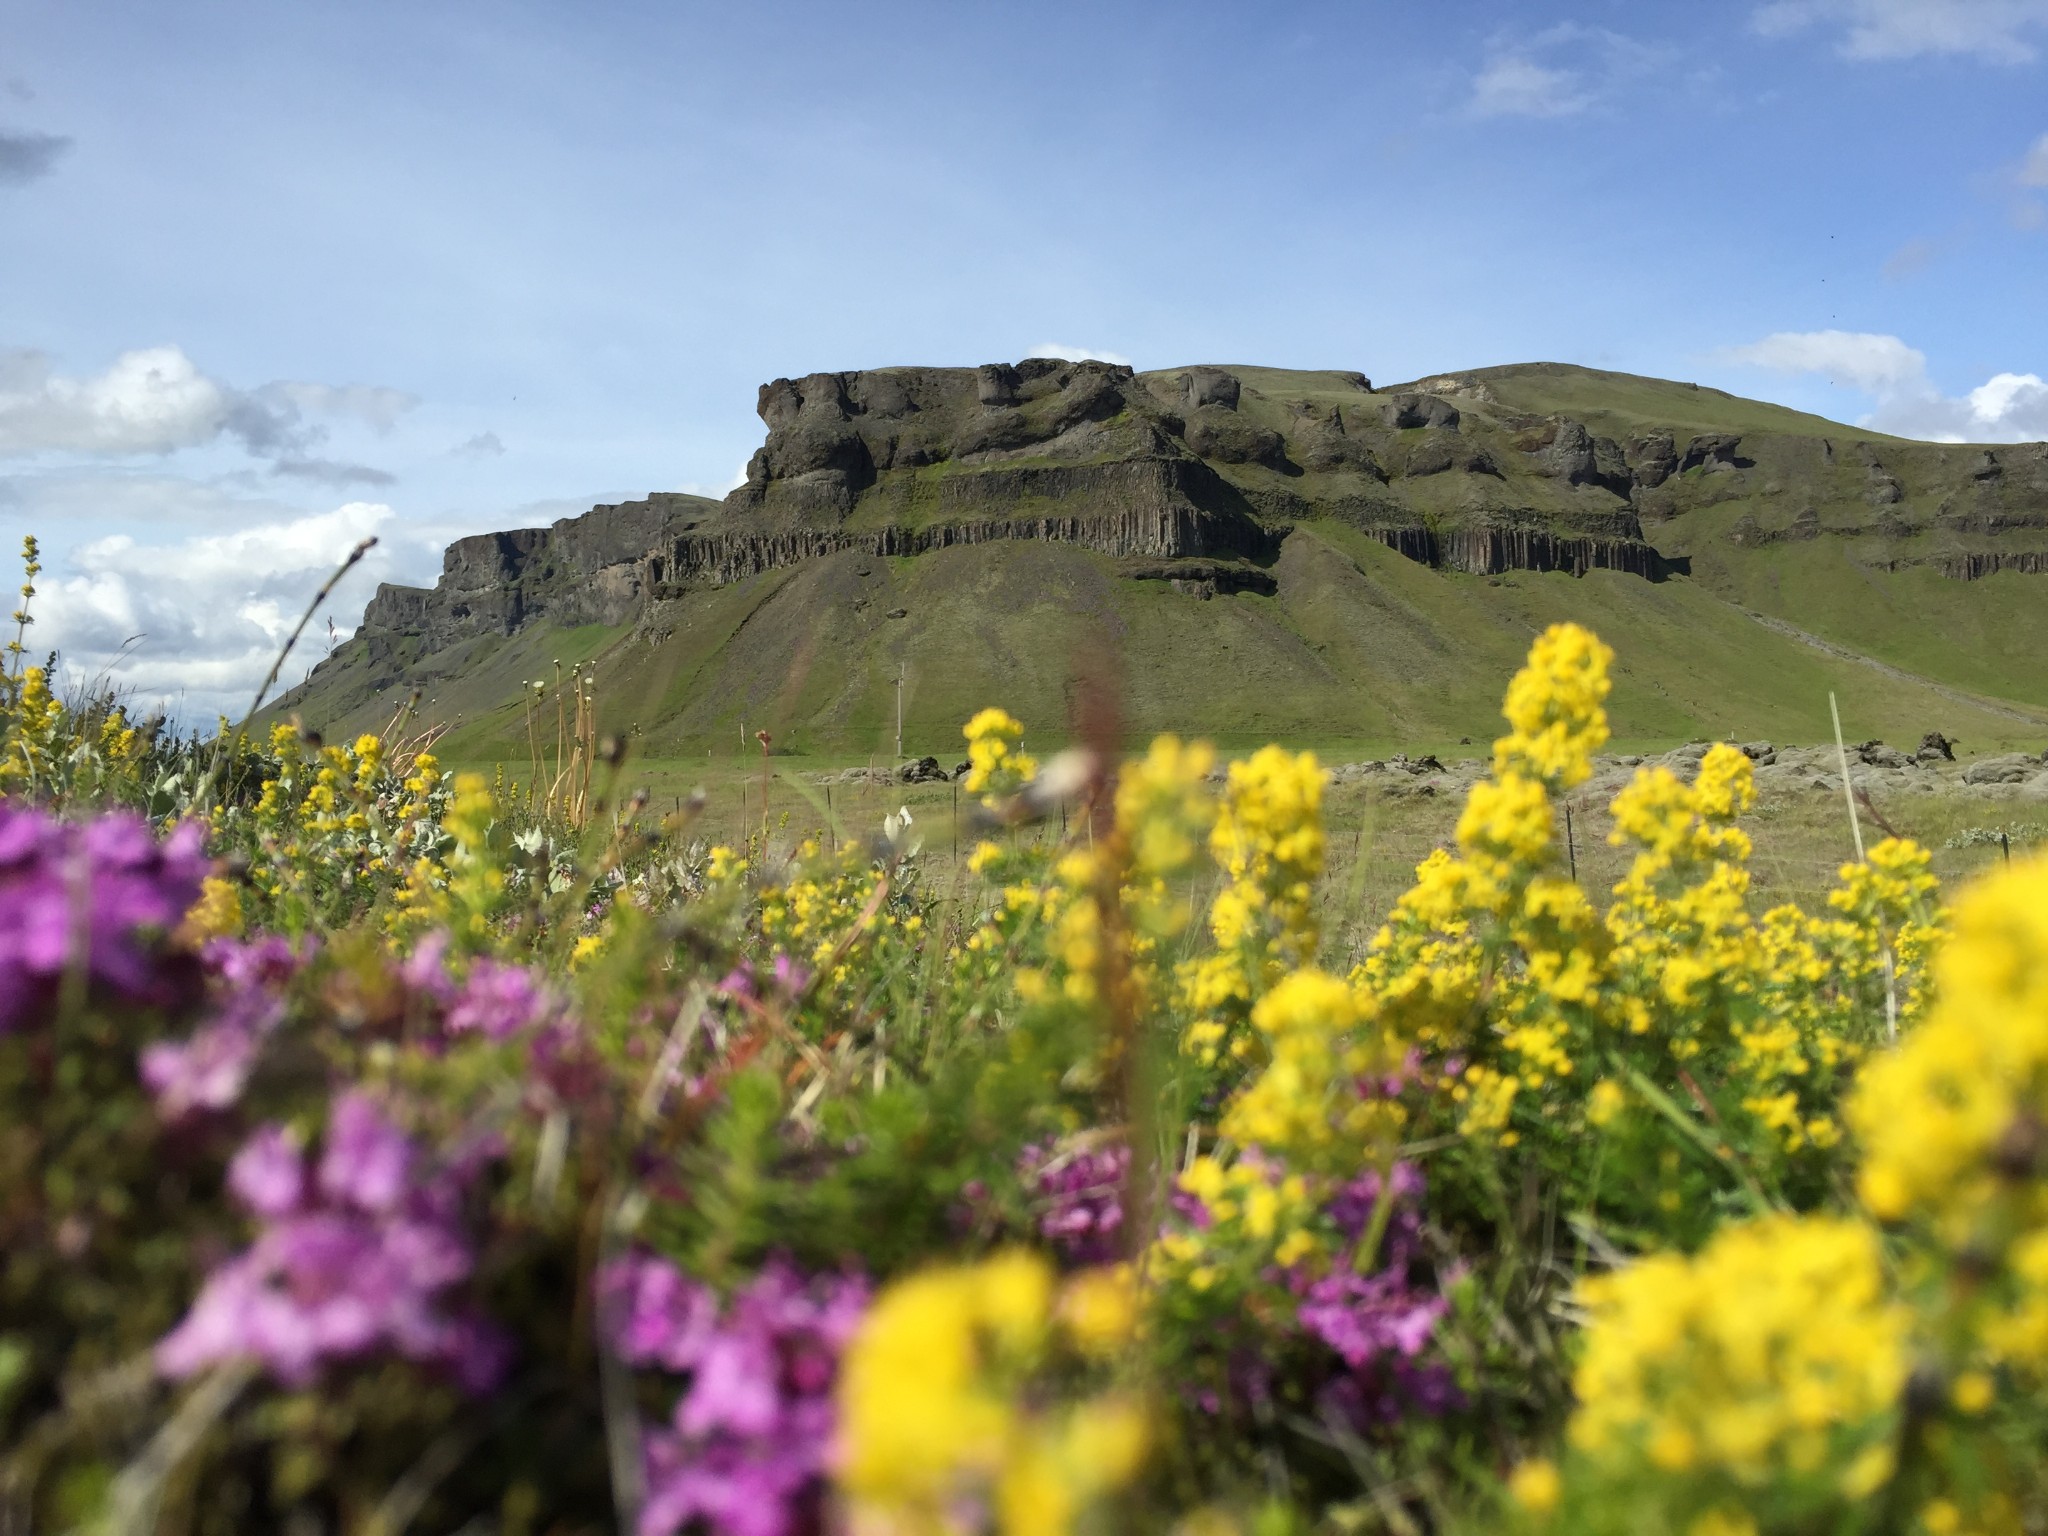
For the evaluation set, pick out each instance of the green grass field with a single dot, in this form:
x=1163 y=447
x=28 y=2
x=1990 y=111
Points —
x=1802 y=837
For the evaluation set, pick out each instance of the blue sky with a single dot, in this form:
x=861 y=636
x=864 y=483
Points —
x=275 y=277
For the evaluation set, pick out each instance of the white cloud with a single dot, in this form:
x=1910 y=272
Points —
x=195 y=624
x=1072 y=354
x=2033 y=171
x=2019 y=399
x=1995 y=30
x=1910 y=259
x=1560 y=71
x=2007 y=408
x=63 y=502
x=739 y=476
x=149 y=401
x=1859 y=359
x=484 y=443
x=375 y=405
x=1513 y=86
x=156 y=400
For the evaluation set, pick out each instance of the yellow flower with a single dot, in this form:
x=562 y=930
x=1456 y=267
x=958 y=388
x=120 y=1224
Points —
x=1775 y=1343
x=1100 y=1308
x=218 y=911
x=1553 y=709
x=932 y=1407
x=1973 y=1392
x=1536 y=1486
x=1607 y=1100
x=995 y=766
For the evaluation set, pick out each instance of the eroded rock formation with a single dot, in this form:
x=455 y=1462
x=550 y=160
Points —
x=1195 y=477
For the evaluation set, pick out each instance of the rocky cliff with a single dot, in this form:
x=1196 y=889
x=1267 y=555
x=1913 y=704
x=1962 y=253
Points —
x=1207 y=462
x=1197 y=481
x=1188 y=464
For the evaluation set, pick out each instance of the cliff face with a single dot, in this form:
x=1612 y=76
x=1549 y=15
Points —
x=1212 y=464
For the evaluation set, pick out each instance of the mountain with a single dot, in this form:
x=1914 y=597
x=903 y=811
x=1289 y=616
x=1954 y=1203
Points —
x=1252 y=553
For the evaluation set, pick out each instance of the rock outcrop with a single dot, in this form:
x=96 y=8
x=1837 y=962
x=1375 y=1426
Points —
x=1195 y=477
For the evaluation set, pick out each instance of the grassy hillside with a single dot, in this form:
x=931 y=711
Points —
x=1814 y=558
x=1359 y=651
x=1621 y=404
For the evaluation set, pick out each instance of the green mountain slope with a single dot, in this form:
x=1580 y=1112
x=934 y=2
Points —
x=1249 y=554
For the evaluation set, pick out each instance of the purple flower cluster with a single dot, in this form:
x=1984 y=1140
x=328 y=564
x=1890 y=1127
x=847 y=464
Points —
x=1376 y=1313
x=491 y=999
x=209 y=1070
x=788 y=979
x=98 y=900
x=357 y=1254
x=1080 y=1198
x=745 y=1451
x=1379 y=1322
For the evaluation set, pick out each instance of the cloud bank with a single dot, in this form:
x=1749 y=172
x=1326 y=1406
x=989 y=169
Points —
x=156 y=400
x=1074 y=354
x=1999 y=31
x=2006 y=408
x=194 y=625
x=1558 y=72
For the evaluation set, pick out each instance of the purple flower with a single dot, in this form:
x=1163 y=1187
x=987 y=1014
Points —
x=209 y=1070
x=492 y=999
x=99 y=900
x=790 y=975
x=425 y=970
x=1376 y=1314
x=745 y=1449
x=368 y=1159
x=1381 y=1321
x=1081 y=1199
x=654 y=1314
x=1365 y=1317
x=743 y=983
x=499 y=1001
x=269 y=1174
x=360 y=1259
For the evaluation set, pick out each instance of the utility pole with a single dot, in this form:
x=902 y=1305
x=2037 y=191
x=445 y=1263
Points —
x=899 y=711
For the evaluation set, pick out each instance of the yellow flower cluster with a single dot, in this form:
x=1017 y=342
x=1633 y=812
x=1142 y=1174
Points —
x=943 y=1407
x=1775 y=1351
x=831 y=902
x=995 y=765
x=1771 y=1372
x=1048 y=924
x=1258 y=1215
x=1304 y=1106
x=217 y=913
x=464 y=889
x=340 y=820
x=1955 y=1123
x=1163 y=813
x=1554 y=711
x=1268 y=839
x=1502 y=969
x=33 y=730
